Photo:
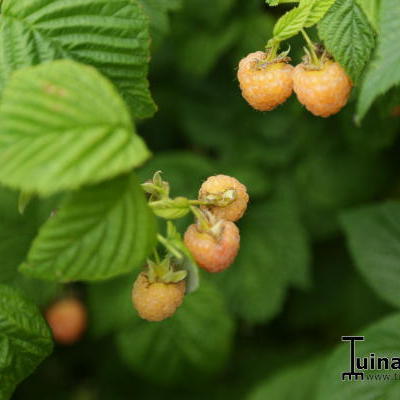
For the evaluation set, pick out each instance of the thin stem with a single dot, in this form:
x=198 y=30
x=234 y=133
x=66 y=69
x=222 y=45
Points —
x=310 y=45
x=199 y=202
x=272 y=49
x=156 y=256
x=170 y=248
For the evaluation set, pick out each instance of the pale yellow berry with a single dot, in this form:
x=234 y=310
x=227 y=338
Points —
x=218 y=185
x=156 y=301
x=324 y=91
x=264 y=85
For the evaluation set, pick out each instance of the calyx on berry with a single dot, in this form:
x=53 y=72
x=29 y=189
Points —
x=164 y=272
x=207 y=222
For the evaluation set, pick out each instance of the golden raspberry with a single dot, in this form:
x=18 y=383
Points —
x=156 y=301
x=264 y=85
x=323 y=92
x=211 y=253
x=67 y=319
x=218 y=185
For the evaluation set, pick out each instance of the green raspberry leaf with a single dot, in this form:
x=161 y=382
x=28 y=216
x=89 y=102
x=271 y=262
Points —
x=317 y=12
x=110 y=305
x=195 y=341
x=16 y=235
x=381 y=338
x=274 y=254
x=158 y=11
x=348 y=36
x=111 y=35
x=25 y=339
x=373 y=235
x=293 y=21
x=98 y=232
x=383 y=72
x=307 y=14
x=371 y=10
x=63 y=125
x=280 y=387
x=217 y=43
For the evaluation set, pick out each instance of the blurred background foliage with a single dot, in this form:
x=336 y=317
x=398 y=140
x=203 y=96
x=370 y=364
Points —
x=293 y=290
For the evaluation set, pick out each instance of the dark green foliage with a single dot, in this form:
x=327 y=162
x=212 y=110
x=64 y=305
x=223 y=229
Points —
x=320 y=243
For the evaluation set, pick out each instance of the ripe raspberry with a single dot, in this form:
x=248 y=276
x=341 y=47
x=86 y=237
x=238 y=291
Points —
x=264 y=84
x=214 y=253
x=67 y=319
x=156 y=301
x=216 y=187
x=324 y=91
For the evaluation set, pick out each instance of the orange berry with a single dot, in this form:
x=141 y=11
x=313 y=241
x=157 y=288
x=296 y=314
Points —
x=214 y=254
x=322 y=91
x=217 y=186
x=265 y=85
x=155 y=301
x=67 y=319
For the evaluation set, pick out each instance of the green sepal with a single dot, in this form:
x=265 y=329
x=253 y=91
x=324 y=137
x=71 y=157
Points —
x=171 y=208
x=164 y=272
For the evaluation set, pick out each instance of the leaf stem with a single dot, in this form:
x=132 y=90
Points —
x=311 y=47
x=199 y=202
x=272 y=48
x=156 y=256
x=168 y=246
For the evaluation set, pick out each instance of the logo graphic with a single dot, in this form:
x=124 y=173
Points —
x=360 y=365
x=352 y=374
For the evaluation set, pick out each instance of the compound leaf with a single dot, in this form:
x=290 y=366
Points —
x=373 y=234
x=111 y=35
x=63 y=125
x=98 y=232
x=348 y=36
x=25 y=339
x=383 y=72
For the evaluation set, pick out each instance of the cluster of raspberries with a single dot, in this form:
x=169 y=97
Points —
x=213 y=241
x=323 y=89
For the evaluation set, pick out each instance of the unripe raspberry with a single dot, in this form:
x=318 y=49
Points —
x=67 y=319
x=322 y=91
x=213 y=253
x=217 y=187
x=265 y=85
x=155 y=301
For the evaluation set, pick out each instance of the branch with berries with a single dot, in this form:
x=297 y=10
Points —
x=211 y=242
x=267 y=79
